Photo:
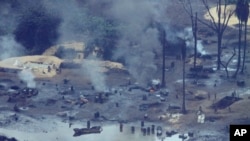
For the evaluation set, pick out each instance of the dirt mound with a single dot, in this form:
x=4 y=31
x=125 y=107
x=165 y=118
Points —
x=103 y=66
x=41 y=66
x=225 y=102
x=77 y=46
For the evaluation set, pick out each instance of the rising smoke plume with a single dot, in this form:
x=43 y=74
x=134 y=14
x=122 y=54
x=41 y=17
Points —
x=139 y=44
x=28 y=77
x=10 y=47
x=187 y=35
x=93 y=69
x=74 y=19
x=75 y=26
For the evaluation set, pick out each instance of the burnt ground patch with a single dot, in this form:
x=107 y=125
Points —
x=6 y=80
x=4 y=138
x=144 y=107
x=15 y=87
x=213 y=118
x=225 y=102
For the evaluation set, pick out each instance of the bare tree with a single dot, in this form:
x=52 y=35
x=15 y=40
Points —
x=245 y=46
x=238 y=13
x=194 y=27
x=183 y=52
x=219 y=25
x=189 y=10
x=228 y=62
x=162 y=39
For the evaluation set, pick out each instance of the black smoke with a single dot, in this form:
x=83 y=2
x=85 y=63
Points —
x=37 y=28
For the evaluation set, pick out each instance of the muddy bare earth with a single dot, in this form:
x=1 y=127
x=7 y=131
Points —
x=72 y=100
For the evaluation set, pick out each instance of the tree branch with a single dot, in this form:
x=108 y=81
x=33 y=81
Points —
x=226 y=20
x=210 y=14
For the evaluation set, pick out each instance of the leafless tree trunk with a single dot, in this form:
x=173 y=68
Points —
x=227 y=63
x=245 y=47
x=239 y=50
x=219 y=25
x=162 y=38
x=163 y=58
x=189 y=9
x=183 y=80
x=242 y=13
x=195 y=39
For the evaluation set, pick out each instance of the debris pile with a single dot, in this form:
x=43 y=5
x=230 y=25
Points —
x=146 y=106
x=225 y=102
x=41 y=66
x=4 y=138
x=200 y=72
x=83 y=131
x=80 y=101
x=26 y=92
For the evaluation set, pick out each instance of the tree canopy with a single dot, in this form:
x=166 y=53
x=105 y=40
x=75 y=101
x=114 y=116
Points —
x=242 y=10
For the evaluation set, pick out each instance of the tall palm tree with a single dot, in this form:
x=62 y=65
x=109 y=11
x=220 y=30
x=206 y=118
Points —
x=239 y=11
x=245 y=12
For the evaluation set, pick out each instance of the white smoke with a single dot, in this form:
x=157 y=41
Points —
x=73 y=19
x=134 y=18
x=200 y=47
x=139 y=44
x=93 y=69
x=187 y=35
x=9 y=47
x=139 y=58
x=28 y=77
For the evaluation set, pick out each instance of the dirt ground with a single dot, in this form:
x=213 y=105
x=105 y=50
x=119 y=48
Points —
x=125 y=102
x=64 y=96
